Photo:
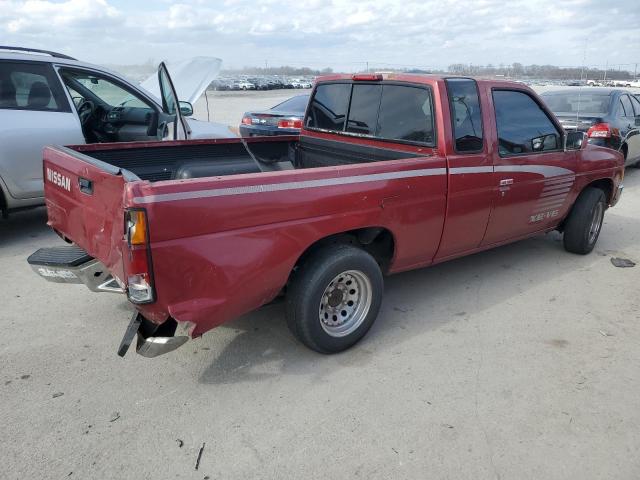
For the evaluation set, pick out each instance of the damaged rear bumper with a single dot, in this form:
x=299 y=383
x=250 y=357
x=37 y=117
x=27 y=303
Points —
x=153 y=340
x=71 y=264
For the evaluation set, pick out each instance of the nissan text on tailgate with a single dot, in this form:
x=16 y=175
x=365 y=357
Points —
x=390 y=172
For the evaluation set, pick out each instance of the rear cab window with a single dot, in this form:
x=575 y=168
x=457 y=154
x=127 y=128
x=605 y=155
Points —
x=395 y=112
x=31 y=86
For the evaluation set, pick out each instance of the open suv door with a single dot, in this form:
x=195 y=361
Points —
x=173 y=124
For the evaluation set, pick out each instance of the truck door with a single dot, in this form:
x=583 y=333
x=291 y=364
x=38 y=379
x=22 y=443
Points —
x=470 y=186
x=533 y=176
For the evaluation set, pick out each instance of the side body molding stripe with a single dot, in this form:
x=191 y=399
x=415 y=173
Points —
x=278 y=187
x=546 y=170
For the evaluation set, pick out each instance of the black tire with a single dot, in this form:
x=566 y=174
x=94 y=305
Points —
x=328 y=268
x=582 y=228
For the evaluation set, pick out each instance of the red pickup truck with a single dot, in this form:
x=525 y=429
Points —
x=390 y=172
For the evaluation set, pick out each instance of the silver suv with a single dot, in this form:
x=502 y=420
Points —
x=49 y=98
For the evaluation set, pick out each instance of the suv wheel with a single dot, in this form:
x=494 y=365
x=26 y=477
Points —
x=334 y=298
x=583 y=226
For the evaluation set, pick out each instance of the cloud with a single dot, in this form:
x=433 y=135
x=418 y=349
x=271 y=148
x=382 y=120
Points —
x=339 y=33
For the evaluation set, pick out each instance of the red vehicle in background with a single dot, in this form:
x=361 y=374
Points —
x=389 y=173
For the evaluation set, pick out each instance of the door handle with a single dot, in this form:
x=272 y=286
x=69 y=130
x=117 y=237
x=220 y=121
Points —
x=506 y=181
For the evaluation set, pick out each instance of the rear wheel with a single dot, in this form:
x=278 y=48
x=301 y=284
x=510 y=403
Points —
x=334 y=298
x=583 y=226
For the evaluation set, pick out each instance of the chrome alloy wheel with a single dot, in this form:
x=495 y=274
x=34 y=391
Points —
x=345 y=303
x=596 y=222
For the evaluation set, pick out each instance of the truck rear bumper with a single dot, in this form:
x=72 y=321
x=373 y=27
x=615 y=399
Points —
x=71 y=264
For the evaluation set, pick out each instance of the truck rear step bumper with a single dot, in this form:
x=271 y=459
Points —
x=71 y=264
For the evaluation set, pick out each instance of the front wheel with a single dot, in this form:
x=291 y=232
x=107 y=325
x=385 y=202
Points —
x=583 y=226
x=334 y=298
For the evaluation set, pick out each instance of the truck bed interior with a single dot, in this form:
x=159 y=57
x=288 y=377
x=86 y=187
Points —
x=211 y=158
x=183 y=160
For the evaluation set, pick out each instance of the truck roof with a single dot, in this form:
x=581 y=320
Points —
x=425 y=78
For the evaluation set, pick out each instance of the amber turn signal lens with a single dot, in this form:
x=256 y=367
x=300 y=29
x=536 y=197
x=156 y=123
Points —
x=137 y=227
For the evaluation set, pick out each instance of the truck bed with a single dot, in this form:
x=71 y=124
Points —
x=158 y=161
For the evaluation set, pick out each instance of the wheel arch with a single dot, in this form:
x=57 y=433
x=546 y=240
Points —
x=379 y=242
x=624 y=150
x=604 y=184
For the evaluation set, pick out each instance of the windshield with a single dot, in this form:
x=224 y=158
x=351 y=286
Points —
x=83 y=84
x=297 y=104
x=573 y=102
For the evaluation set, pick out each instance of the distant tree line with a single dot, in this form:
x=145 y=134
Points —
x=517 y=70
x=284 y=70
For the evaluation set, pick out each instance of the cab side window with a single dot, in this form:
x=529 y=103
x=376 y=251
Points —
x=523 y=126
x=466 y=117
x=30 y=86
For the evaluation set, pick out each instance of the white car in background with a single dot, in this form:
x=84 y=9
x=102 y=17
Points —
x=47 y=98
x=244 y=85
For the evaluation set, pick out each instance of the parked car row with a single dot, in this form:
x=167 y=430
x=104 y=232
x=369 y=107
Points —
x=260 y=83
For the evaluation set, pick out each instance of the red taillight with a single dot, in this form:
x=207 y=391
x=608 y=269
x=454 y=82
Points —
x=364 y=77
x=138 y=270
x=599 y=130
x=290 y=123
x=246 y=120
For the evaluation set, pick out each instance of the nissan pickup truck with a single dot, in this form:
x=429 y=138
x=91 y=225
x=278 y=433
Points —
x=390 y=172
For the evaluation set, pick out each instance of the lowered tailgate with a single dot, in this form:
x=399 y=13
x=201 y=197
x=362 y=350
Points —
x=85 y=203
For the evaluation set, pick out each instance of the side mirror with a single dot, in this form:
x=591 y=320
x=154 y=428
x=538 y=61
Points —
x=574 y=140
x=186 y=109
x=545 y=142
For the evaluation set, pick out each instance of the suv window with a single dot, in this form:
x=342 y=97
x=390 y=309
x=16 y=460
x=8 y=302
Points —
x=627 y=109
x=30 y=86
x=363 y=111
x=328 y=108
x=466 y=117
x=523 y=126
x=406 y=114
x=85 y=85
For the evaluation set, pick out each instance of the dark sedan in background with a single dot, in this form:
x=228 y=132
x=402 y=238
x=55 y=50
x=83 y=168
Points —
x=610 y=117
x=283 y=119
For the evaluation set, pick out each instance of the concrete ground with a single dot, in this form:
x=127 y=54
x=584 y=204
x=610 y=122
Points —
x=517 y=363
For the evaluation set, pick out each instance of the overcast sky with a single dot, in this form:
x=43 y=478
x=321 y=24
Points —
x=341 y=34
